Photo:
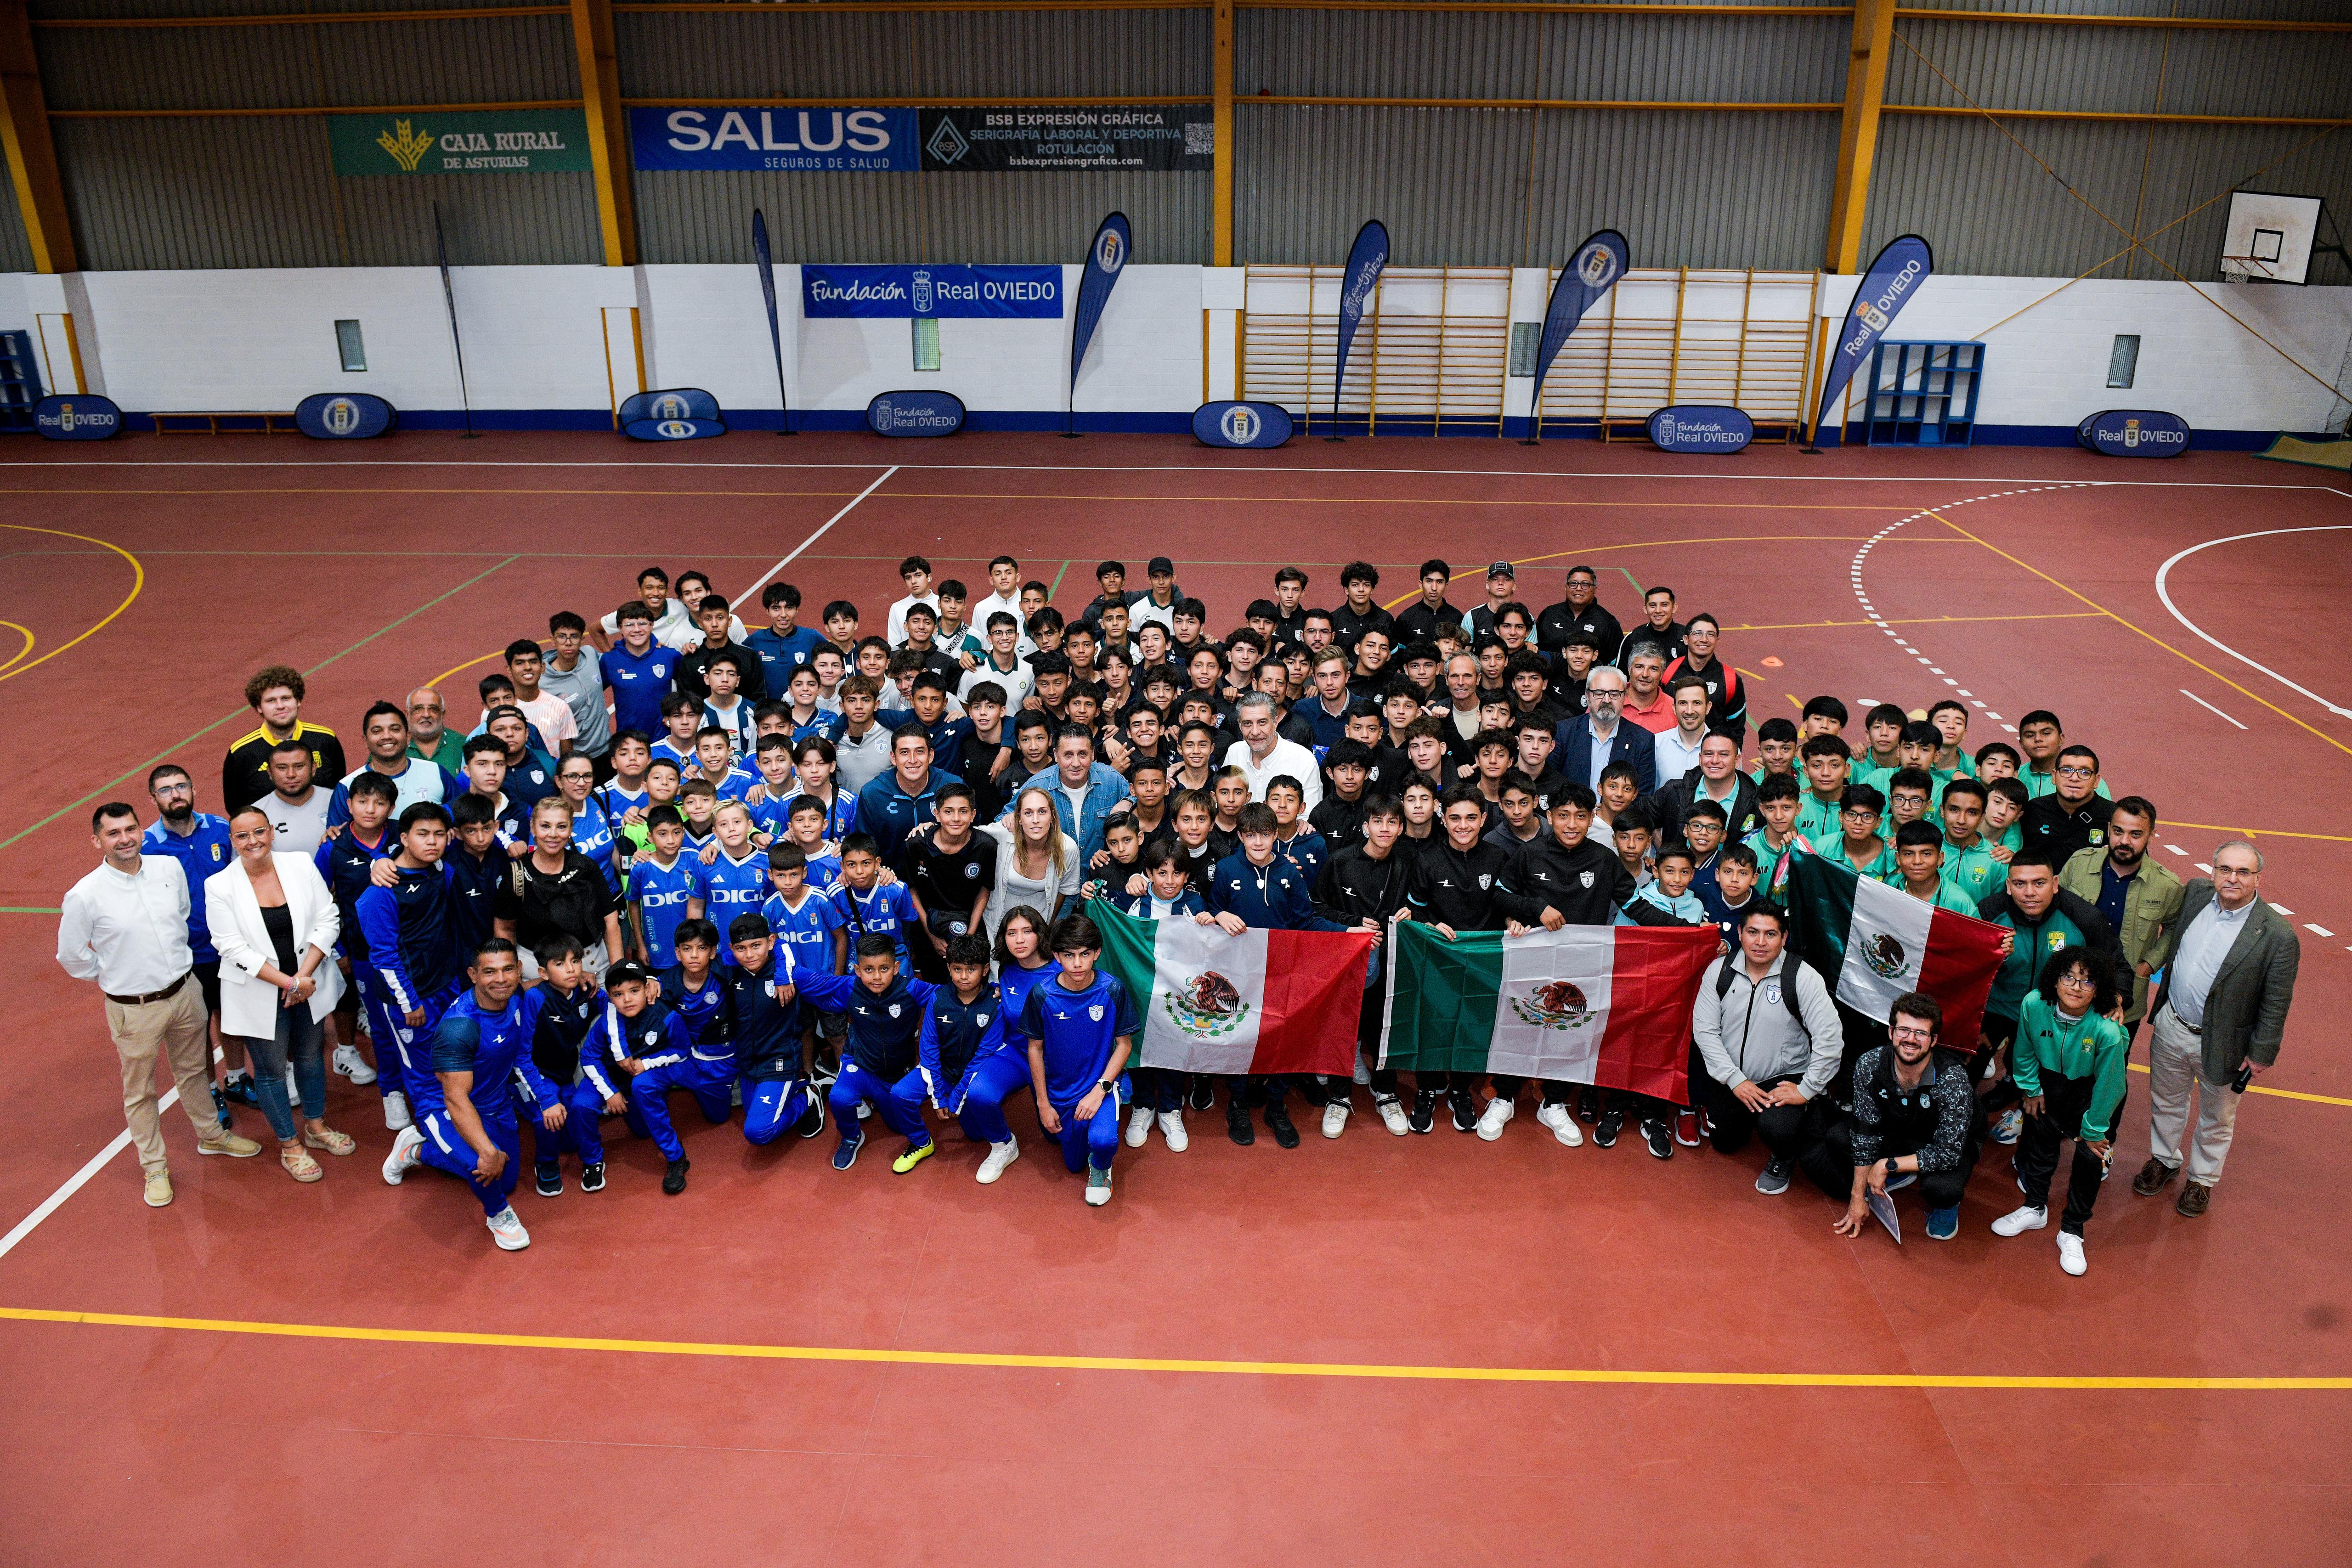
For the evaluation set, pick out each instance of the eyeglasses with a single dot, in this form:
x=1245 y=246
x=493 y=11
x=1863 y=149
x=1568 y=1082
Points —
x=2077 y=772
x=1902 y=1033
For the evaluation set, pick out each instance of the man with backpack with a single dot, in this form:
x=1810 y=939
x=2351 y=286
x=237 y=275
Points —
x=1769 y=1037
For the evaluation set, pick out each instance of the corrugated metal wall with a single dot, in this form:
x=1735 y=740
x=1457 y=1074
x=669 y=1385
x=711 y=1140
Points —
x=16 y=250
x=1456 y=186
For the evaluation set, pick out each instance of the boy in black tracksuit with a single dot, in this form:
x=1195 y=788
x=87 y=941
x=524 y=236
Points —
x=1452 y=885
x=1365 y=883
x=1586 y=884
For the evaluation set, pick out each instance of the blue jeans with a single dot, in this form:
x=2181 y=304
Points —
x=899 y=1104
x=301 y=1039
x=1091 y=1141
x=994 y=1081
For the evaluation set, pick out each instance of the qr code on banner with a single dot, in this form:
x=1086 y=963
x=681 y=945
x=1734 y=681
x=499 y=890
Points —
x=1200 y=139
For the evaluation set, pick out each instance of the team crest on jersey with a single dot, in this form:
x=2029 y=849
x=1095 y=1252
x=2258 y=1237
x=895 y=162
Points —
x=894 y=1010
x=1558 y=1005
x=971 y=870
x=1485 y=880
x=1584 y=879
x=2054 y=940
x=1206 y=1007
x=1772 y=992
x=1884 y=955
x=1095 y=1012
x=2098 y=835
x=217 y=853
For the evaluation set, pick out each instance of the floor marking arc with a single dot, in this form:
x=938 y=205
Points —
x=2164 y=592
x=1374 y=1371
x=138 y=581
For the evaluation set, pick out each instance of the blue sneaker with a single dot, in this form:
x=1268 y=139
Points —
x=1943 y=1224
x=846 y=1155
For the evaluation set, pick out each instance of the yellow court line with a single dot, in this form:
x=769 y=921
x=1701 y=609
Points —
x=2261 y=832
x=2275 y=1094
x=138 y=581
x=1371 y=1370
x=969 y=496
x=2144 y=632
x=454 y=669
x=1919 y=621
x=1703 y=539
x=24 y=631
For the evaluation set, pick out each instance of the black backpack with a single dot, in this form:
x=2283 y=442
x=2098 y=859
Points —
x=1789 y=972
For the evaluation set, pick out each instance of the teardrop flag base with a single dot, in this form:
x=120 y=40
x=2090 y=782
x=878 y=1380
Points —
x=1072 y=436
x=1529 y=441
x=1335 y=438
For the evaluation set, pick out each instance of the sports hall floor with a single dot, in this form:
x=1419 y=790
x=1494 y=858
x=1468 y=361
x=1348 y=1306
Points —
x=1421 y=1351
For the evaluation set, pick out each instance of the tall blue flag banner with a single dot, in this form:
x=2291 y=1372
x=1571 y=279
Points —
x=1106 y=259
x=1886 y=288
x=767 y=265
x=942 y=290
x=1366 y=259
x=1591 y=273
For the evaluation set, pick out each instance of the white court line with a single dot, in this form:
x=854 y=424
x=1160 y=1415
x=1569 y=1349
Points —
x=2209 y=707
x=76 y=1181
x=2164 y=593
x=804 y=544
x=2322 y=930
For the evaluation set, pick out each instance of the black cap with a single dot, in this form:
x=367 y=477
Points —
x=1157 y=564
x=1504 y=568
x=628 y=971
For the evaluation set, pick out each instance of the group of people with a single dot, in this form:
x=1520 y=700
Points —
x=817 y=872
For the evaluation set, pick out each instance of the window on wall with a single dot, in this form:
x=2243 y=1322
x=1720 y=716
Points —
x=1526 y=340
x=350 y=346
x=926 y=342
x=2123 y=359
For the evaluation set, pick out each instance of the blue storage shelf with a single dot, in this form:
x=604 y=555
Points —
x=1923 y=394
x=20 y=383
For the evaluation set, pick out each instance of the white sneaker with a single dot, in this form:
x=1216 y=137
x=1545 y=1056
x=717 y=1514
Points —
x=1335 y=1118
x=2017 y=1221
x=1097 y=1187
x=506 y=1230
x=1498 y=1110
x=403 y=1156
x=1139 y=1126
x=1561 y=1120
x=350 y=1064
x=1363 y=1074
x=395 y=1113
x=2070 y=1253
x=1171 y=1127
x=998 y=1156
x=1392 y=1117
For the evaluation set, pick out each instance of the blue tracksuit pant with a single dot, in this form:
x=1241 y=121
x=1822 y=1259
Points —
x=445 y=1150
x=772 y=1107
x=712 y=1090
x=403 y=1053
x=1091 y=1141
x=994 y=1081
x=584 y=1128
x=899 y=1104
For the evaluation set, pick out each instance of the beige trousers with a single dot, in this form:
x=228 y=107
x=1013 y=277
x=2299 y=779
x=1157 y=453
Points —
x=171 y=1031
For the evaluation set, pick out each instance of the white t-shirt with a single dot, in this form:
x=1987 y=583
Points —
x=299 y=828
x=896 y=631
x=1017 y=682
x=1286 y=757
x=551 y=716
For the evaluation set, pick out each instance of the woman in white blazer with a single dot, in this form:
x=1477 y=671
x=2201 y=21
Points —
x=275 y=925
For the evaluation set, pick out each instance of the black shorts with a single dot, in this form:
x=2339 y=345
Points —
x=208 y=982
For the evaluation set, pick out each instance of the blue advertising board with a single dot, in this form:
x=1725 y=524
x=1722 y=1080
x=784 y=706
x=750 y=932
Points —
x=344 y=416
x=1240 y=425
x=1701 y=427
x=76 y=416
x=2133 y=433
x=842 y=137
x=681 y=413
x=942 y=290
x=915 y=413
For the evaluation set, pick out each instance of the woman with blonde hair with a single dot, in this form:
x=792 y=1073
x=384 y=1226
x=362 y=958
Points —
x=1037 y=862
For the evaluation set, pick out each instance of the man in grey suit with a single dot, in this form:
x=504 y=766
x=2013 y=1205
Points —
x=2225 y=999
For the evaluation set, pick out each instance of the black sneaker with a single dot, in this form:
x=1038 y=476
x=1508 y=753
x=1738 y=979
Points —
x=1660 y=1136
x=1465 y=1110
x=812 y=1119
x=1588 y=1104
x=1237 y=1124
x=1423 y=1114
x=550 y=1181
x=1279 y=1119
x=1313 y=1091
x=674 y=1177
x=1204 y=1092
x=238 y=1086
x=1604 y=1131
x=592 y=1177
x=220 y=1109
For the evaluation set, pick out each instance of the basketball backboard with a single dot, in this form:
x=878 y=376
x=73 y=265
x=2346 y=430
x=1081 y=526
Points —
x=2269 y=238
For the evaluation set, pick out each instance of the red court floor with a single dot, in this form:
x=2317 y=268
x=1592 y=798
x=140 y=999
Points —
x=1428 y=1350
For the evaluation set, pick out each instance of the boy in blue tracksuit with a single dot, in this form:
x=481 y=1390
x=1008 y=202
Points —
x=478 y=865
x=696 y=994
x=346 y=864
x=1158 y=1092
x=1260 y=888
x=1081 y=1027
x=411 y=957
x=694 y=987
x=465 y=1120
x=632 y=1029
x=880 y=1062
x=568 y=1008
x=969 y=1063
x=771 y=1044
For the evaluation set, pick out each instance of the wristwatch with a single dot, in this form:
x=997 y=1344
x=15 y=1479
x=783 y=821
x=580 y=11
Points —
x=1106 y=1085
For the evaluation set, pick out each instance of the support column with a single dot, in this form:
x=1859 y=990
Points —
x=1221 y=249
x=24 y=139
x=1866 y=94
x=608 y=127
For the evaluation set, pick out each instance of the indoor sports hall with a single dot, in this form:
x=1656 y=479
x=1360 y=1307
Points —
x=1995 y=355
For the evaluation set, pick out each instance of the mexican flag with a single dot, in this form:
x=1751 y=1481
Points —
x=1264 y=1001
x=1873 y=943
x=1608 y=1004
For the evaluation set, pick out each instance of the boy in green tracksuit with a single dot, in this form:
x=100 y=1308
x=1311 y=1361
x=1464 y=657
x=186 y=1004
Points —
x=2069 y=1062
x=2044 y=920
x=1855 y=842
x=1970 y=865
x=1920 y=868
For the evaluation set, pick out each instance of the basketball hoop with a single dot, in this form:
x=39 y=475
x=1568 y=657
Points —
x=2270 y=238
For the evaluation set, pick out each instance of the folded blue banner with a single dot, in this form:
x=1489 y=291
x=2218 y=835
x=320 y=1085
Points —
x=752 y=138
x=946 y=289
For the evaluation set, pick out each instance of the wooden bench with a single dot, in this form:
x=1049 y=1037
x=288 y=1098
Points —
x=242 y=423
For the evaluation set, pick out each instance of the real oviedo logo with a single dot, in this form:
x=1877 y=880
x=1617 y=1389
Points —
x=2133 y=433
x=78 y=416
x=915 y=413
x=1701 y=427
x=1240 y=425
x=1110 y=253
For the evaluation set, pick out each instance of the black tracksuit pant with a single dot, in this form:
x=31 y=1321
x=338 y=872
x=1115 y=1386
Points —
x=2063 y=1101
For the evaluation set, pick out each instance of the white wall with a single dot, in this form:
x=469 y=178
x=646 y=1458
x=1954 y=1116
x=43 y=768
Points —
x=533 y=341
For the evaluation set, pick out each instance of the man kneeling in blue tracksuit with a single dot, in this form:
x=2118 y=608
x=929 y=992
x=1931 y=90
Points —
x=881 y=1063
x=771 y=1041
x=465 y=1113
x=1081 y=1028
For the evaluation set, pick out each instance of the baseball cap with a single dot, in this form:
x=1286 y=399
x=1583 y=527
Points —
x=1503 y=568
x=1158 y=565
